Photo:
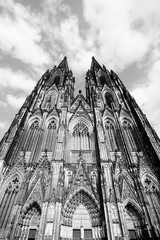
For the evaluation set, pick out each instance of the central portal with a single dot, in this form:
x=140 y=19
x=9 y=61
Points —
x=81 y=224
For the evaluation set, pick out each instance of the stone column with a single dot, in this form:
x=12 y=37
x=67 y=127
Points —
x=42 y=221
x=107 y=208
x=56 y=228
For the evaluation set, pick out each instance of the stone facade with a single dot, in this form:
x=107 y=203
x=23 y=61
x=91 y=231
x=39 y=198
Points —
x=80 y=168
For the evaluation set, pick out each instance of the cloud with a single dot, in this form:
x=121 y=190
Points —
x=15 y=102
x=148 y=97
x=21 y=34
x=123 y=31
x=3 y=104
x=16 y=80
x=3 y=125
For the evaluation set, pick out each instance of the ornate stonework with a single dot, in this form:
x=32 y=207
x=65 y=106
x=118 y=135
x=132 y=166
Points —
x=80 y=168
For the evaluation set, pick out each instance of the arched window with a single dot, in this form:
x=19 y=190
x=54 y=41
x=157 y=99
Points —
x=109 y=100
x=51 y=136
x=29 y=223
x=81 y=140
x=8 y=201
x=129 y=135
x=110 y=135
x=153 y=195
x=32 y=136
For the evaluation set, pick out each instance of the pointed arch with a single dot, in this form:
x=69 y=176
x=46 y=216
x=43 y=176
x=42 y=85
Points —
x=51 y=134
x=152 y=192
x=29 y=222
x=32 y=134
x=109 y=126
x=10 y=191
x=135 y=217
x=83 y=120
x=80 y=133
x=32 y=119
x=109 y=97
x=127 y=124
x=151 y=177
x=82 y=196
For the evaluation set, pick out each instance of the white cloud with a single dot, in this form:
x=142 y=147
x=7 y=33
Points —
x=148 y=97
x=15 y=102
x=3 y=104
x=16 y=80
x=122 y=29
x=3 y=125
x=21 y=34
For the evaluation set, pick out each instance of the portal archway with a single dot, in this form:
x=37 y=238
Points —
x=29 y=223
x=135 y=221
x=82 y=218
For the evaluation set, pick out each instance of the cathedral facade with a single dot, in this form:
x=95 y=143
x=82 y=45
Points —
x=75 y=167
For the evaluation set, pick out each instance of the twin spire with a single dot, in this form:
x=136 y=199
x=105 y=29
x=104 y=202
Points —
x=95 y=66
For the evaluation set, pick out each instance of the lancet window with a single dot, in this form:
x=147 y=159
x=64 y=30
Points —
x=110 y=135
x=32 y=136
x=129 y=135
x=8 y=201
x=51 y=136
x=109 y=100
x=50 y=100
x=153 y=194
x=81 y=138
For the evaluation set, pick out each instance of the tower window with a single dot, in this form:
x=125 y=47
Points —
x=109 y=100
x=81 y=137
x=57 y=80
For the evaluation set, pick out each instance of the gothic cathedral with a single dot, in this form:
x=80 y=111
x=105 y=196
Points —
x=75 y=167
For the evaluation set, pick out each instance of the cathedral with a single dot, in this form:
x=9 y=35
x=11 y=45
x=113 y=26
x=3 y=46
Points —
x=80 y=167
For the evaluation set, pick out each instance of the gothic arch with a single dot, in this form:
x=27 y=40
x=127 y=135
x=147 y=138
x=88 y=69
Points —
x=32 y=119
x=137 y=219
x=83 y=120
x=126 y=120
x=108 y=96
x=81 y=197
x=109 y=127
x=129 y=132
x=29 y=204
x=134 y=204
x=51 y=133
x=50 y=119
x=8 y=178
x=52 y=92
x=33 y=135
x=29 y=222
x=151 y=177
x=10 y=191
x=109 y=119
x=52 y=88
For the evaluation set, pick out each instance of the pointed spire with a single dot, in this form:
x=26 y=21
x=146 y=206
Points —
x=64 y=64
x=95 y=66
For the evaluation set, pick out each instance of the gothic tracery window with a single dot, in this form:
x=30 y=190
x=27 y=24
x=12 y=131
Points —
x=109 y=100
x=110 y=135
x=32 y=136
x=8 y=201
x=51 y=135
x=81 y=137
x=127 y=126
x=153 y=195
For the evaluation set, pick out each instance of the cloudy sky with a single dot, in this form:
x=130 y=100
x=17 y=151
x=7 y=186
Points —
x=123 y=35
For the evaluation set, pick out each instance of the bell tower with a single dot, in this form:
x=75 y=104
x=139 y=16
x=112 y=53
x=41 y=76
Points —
x=75 y=167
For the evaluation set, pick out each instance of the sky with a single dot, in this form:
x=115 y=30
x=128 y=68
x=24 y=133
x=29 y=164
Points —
x=123 y=35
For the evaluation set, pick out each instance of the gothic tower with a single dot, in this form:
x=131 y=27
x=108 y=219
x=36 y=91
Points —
x=80 y=168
